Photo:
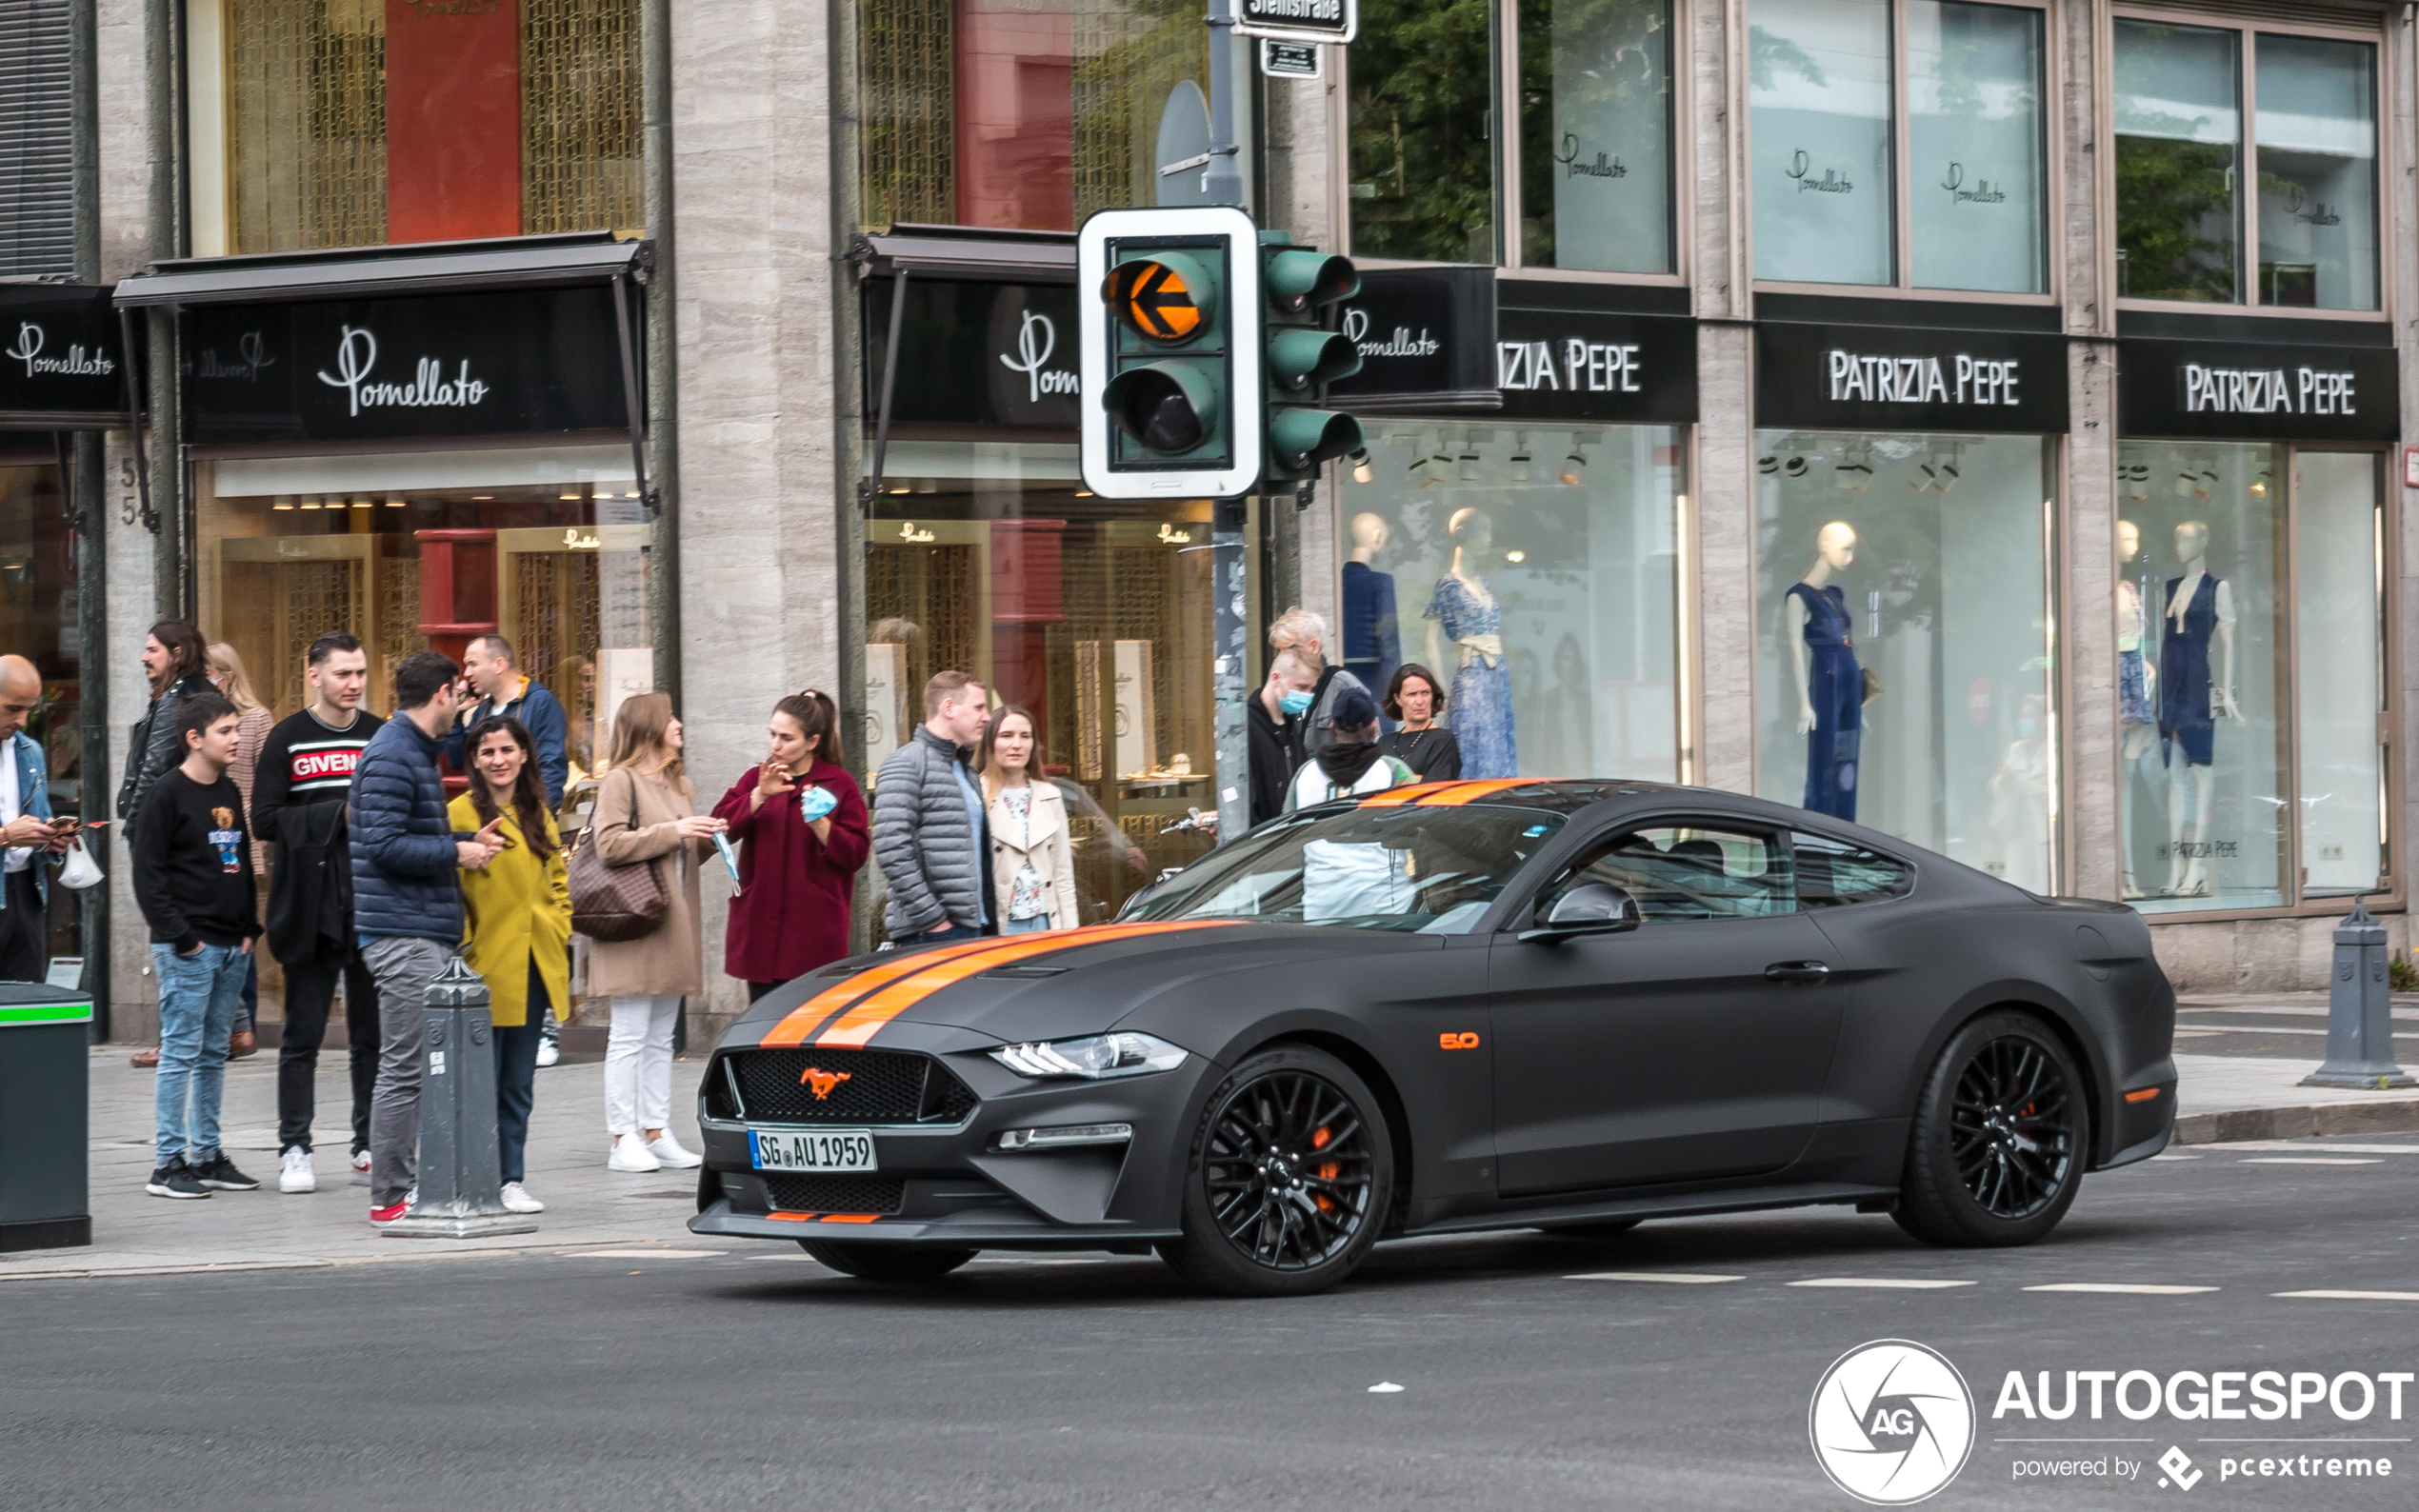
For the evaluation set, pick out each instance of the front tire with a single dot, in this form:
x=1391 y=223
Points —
x=2000 y=1137
x=886 y=1263
x=1289 y=1179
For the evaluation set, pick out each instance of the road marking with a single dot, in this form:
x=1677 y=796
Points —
x=638 y=1254
x=2310 y=1160
x=1676 y=1278
x=2329 y=1147
x=2175 y=1157
x=2120 y=1288
x=1883 y=1282
x=2353 y=1296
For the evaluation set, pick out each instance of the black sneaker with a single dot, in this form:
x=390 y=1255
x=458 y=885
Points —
x=176 y=1178
x=220 y=1172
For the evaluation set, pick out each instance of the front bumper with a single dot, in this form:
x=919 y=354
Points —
x=949 y=1185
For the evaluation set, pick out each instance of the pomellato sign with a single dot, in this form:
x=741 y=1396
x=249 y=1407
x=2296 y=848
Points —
x=61 y=362
x=1882 y=378
x=450 y=365
x=973 y=353
x=2253 y=391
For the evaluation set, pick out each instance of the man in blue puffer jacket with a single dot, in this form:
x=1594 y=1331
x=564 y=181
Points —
x=406 y=904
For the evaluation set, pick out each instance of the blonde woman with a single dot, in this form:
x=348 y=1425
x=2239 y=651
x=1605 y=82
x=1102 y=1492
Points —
x=1033 y=863
x=645 y=815
x=253 y=721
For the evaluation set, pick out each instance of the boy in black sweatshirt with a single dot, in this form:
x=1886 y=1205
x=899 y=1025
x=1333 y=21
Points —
x=193 y=880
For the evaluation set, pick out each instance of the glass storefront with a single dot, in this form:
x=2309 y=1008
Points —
x=38 y=622
x=1903 y=643
x=2217 y=649
x=1595 y=146
x=992 y=558
x=1560 y=544
x=1821 y=160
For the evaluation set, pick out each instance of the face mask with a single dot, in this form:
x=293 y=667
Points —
x=1295 y=702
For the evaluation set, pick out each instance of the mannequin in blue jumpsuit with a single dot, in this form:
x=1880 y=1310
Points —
x=1830 y=713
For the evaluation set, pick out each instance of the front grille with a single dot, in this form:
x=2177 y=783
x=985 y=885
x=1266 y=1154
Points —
x=861 y=1086
x=835 y=1194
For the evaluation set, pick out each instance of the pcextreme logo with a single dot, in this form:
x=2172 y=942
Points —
x=1892 y=1422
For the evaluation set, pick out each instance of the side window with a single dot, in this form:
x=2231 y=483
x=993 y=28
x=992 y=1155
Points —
x=1831 y=872
x=1688 y=871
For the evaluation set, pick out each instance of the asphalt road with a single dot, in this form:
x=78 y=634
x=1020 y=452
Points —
x=753 y=1378
x=2284 y=1030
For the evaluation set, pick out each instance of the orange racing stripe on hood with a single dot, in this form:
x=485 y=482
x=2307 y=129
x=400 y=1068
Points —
x=799 y=1024
x=866 y=1019
x=1397 y=797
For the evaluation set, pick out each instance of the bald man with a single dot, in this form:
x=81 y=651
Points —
x=24 y=828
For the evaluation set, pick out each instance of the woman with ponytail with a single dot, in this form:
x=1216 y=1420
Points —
x=803 y=834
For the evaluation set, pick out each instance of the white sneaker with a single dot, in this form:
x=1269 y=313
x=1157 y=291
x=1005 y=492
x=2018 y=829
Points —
x=548 y=1052
x=667 y=1150
x=361 y=1167
x=294 y=1172
x=630 y=1154
x=517 y=1197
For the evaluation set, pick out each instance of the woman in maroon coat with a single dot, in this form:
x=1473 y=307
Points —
x=802 y=833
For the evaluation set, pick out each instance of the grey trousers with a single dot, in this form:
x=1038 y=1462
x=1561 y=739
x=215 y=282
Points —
x=403 y=968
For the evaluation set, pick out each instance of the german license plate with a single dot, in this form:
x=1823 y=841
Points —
x=827 y=1150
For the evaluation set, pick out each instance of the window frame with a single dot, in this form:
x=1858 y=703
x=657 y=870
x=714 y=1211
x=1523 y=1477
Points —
x=1902 y=172
x=2247 y=34
x=1774 y=835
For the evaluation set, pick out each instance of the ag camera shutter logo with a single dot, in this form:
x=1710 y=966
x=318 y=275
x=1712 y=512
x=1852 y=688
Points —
x=1892 y=1422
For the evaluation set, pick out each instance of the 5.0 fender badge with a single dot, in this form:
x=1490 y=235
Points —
x=1464 y=1041
x=820 y=1081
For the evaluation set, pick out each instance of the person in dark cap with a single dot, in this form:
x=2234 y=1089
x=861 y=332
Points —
x=1349 y=764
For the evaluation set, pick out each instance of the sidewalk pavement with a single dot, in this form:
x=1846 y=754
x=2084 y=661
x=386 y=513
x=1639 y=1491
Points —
x=2224 y=1098
x=587 y=1207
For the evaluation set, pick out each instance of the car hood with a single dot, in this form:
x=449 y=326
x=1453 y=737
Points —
x=1047 y=986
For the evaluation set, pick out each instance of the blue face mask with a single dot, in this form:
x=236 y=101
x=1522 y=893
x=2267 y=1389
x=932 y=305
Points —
x=1295 y=702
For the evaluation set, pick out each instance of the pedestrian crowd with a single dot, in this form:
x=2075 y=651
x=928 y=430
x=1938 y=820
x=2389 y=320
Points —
x=377 y=879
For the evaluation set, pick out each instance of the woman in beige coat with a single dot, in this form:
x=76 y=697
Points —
x=1033 y=860
x=644 y=816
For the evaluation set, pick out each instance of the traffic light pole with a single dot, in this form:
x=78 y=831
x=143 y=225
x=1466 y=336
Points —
x=1222 y=181
x=1221 y=184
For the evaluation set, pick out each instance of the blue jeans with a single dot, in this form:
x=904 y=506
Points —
x=1033 y=925
x=955 y=932
x=516 y=1078
x=197 y=1013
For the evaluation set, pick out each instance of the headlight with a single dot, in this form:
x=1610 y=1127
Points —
x=1091 y=1057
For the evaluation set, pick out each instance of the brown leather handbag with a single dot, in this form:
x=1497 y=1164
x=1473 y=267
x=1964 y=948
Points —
x=614 y=902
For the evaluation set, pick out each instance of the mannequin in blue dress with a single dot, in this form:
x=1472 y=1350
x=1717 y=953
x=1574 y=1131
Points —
x=1830 y=685
x=2196 y=689
x=1463 y=613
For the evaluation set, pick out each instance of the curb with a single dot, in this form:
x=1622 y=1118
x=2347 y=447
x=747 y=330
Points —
x=2399 y=1116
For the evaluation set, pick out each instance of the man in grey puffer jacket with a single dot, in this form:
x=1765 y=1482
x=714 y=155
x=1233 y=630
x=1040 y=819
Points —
x=930 y=836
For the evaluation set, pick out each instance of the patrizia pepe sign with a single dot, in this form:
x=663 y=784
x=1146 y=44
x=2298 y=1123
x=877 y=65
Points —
x=2253 y=391
x=453 y=365
x=1910 y=378
x=60 y=359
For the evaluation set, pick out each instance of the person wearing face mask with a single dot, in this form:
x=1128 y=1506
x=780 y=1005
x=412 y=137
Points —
x=1350 y=765
x=1276 y=716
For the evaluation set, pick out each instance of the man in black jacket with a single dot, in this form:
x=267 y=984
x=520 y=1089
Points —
x=1276 y=716
x=298 y=802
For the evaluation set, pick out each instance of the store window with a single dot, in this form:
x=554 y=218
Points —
x=1535 y=571
x=38 y=607
x=1028 y=115
x=992 y=558
x=1828 y=164
x=1595 y=135
x=2182 y=199
x=350 y=123
x=1904 y=639
x=1423 y=168
x=2206 y=639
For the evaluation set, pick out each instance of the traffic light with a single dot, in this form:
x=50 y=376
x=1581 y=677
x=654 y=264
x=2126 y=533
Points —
x=1297 y=286
x=1171 y=373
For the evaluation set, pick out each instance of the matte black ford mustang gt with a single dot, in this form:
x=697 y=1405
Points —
x=1465 y=1005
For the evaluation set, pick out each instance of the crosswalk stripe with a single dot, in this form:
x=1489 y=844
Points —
x=2353 y=1296
x=2121 y=1288
x=1883 y=1282
x=1676 y=1278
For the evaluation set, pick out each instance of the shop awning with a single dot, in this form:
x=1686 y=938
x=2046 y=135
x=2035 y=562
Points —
x=965 y=251
x=354 y=272
x=63 y=361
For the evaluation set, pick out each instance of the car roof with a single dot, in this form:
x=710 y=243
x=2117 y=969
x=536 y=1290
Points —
x=1569 y=796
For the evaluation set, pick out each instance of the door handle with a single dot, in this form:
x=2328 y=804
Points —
x=1796 y=971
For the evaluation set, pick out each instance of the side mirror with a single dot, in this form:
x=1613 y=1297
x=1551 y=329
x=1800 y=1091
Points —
x=1593 y=907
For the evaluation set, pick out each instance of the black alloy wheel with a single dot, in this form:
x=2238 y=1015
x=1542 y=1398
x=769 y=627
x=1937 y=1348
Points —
x=891 y=1263
x=2000 y=1139
x=1291 y=1173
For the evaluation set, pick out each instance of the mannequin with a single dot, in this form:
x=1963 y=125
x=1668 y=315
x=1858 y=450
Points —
x=1830 y=685
x=2137 y=717
x=1463 y=610
x=2196 y=687
x=1373 y=643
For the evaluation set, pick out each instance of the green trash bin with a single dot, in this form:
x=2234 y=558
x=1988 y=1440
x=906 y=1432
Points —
x=45 y=1117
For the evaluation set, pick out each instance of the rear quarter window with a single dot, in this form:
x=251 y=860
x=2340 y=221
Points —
x=1831 y=873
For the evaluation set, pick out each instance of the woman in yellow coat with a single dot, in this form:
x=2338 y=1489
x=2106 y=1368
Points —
x=516 y=926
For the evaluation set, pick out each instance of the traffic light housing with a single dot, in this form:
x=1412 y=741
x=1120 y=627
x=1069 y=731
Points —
x=1170 y=363
x=1297 y=286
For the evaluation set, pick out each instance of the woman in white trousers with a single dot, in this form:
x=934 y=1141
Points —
x=644 y=816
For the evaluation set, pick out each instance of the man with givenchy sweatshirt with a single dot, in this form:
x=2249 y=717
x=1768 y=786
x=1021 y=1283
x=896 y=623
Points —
x=192 y=860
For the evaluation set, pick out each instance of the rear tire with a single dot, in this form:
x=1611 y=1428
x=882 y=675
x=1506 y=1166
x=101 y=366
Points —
x=903 y=1264
x=1290 y=1176
x=2001 y=1136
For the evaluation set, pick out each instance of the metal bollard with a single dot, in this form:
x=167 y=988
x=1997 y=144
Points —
x=2360 y=1026
x=460 y=1189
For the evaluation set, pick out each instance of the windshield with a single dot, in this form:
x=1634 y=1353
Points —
x=1417 y=870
